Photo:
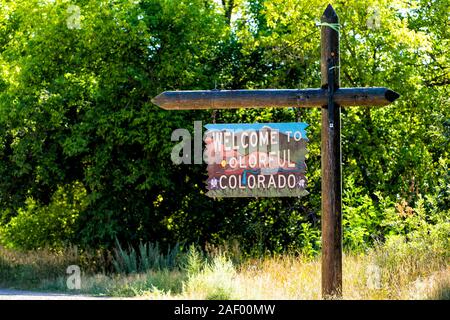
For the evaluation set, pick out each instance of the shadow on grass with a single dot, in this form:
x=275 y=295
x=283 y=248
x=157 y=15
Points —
x=442 y=293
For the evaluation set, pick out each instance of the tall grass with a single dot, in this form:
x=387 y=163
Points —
x=210 y=280
x=27 y=269
x=398 y=269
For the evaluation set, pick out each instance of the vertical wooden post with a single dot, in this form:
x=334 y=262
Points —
x=331 y=160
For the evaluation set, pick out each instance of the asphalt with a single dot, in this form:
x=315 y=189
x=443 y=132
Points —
x=11 y=294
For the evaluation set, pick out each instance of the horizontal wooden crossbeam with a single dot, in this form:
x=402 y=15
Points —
x=233 y=99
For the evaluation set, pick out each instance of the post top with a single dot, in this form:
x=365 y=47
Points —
x=391 y=95
x=329 y=15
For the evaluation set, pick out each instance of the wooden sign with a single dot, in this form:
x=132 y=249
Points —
x=256 y=160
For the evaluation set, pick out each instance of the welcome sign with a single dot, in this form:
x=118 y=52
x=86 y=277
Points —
x=256 y=160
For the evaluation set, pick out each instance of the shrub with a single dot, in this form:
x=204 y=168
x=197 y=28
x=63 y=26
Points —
x=416 y=250
x=53 y=225
x=213 y=282
x=147 y=257
x=194 y=261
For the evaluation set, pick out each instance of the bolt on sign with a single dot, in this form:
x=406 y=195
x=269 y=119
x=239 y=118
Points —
x=256 y=160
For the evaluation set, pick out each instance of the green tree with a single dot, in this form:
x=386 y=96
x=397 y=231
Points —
x=75 y=110
x=75 y=105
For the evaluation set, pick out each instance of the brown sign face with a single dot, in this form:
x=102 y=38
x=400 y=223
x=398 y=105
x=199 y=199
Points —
x=256 y=160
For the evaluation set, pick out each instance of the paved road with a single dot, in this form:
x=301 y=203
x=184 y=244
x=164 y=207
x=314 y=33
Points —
x=10 y=294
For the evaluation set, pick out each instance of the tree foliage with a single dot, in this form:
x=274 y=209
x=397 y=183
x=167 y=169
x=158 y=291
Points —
x=75 y=110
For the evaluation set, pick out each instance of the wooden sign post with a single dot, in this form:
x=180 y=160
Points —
x=331 y=220
x=330 y=97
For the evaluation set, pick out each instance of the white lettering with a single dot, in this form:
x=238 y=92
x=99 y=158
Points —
x=220 y=182
x=291 y=181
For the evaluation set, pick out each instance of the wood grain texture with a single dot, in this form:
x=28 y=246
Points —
x=233 y=99
x=331 y=165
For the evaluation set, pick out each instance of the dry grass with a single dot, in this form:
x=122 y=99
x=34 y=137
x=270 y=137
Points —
x=289 y=277
x=28 y=269
x=385 y=273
